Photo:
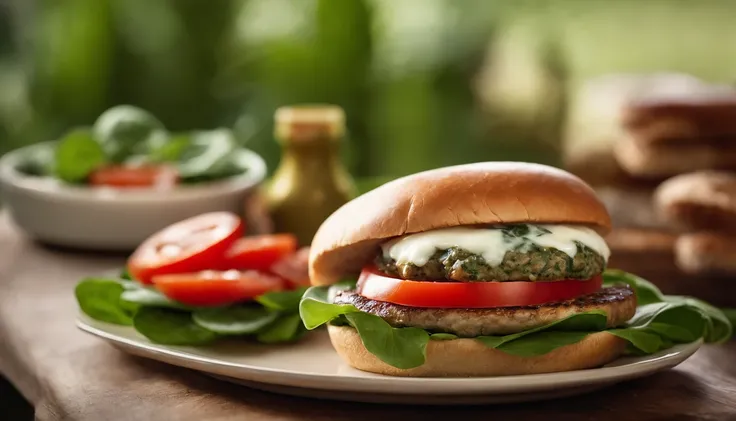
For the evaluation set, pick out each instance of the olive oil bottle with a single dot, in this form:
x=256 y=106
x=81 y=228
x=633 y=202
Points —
x=310 y=182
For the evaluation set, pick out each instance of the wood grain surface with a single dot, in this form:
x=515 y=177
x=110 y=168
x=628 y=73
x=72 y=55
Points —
x=68 y=375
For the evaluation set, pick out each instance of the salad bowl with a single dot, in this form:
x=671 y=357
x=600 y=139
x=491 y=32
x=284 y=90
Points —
x=106 y=218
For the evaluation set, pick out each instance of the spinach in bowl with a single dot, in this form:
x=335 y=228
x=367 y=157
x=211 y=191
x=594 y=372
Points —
x=132 y=148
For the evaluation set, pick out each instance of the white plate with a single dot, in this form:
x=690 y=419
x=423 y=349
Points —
x=312 y=368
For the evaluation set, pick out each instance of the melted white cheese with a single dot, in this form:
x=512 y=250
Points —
x=491 y=243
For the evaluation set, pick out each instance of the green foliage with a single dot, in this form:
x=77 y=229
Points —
x=130 y=135
x=270 y=318
x=100 y=300
x=236 y=320
x=122 y=129
x=77 y=155
x=171 y=327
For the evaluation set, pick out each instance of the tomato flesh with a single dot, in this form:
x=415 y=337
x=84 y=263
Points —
x=216 y=288
x=192 y=245
x=260 y=252
x=376 y=286
x=159 y=176
x=294 y=268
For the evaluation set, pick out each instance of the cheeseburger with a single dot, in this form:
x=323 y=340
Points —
x=473 y=251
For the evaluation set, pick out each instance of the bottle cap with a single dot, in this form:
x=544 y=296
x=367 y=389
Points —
x=305 y=122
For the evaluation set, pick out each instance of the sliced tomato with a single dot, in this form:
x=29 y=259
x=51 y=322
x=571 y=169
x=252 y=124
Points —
x=377 y=286
x=260 y=252
x=192 y=245
x=159 y=176
x=216 y=288
x=294 y=268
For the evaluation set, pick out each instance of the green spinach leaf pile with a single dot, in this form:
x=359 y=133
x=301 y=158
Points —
x=129 y=136
x=271 y=318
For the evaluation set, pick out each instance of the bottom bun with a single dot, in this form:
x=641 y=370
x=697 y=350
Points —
x=470 y=358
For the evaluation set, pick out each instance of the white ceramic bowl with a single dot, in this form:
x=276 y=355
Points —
x=109 y=219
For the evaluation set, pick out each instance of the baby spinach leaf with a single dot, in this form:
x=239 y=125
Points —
x=77 y=155
x=315 y=309
x=100 y=300
x=130 y=308
x=646 y=292
x=39 y=161
x=718 y=327
x=643 y=340
x=286 y=329
x=122 y=129
x=540 y=343
x=590 y=321
x=236 y=320
x=287 y=301
x=678 y=322
x=171 y=327
x=673 y=332
x=404 y=347
x=169 y=149
x=208 y=156
x=125 y=274
x=150 y=298
x=730 y=314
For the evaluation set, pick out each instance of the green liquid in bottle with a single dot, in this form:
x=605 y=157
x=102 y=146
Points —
x=310 y=182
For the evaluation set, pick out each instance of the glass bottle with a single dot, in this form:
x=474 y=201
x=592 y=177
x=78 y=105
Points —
x=310 y=182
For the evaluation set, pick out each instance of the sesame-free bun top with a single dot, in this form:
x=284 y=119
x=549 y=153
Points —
x=482 y=193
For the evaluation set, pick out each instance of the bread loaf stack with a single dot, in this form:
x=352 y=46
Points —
x=687 y=135
x=594 y=130
x=674 y=198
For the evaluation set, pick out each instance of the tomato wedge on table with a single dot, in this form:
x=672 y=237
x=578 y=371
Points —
x=215 y=288
x=192 y=245
x=128 y=176
x=377 y=286
x=259 y=252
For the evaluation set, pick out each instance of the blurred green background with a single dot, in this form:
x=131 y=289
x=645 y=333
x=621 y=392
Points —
x=425 y=83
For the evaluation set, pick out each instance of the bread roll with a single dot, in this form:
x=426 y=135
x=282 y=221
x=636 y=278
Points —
x=631 y=207
x=659 y=161
x=706 y=253
x=681 y=110
x=470 y=358
x=677 y=265
x=700 y=201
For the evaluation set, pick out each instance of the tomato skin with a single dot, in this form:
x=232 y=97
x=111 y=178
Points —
x=216 y=288
x=294 y=268
x=259 y=252
x=376 y=286
x=160 y=176
x=192 y=245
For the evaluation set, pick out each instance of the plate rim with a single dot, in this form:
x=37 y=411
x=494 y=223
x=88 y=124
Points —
x=420 y=385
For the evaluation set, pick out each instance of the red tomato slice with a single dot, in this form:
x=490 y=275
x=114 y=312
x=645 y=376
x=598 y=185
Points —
x=192 y=245
x=215 y=288
x=259 y=252
x=160 y=176
x=294 y=268
x=376 y=286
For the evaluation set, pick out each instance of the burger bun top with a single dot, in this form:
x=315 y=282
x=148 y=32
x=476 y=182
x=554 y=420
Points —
x=488 y=193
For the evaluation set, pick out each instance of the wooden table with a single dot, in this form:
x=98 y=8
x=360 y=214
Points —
x=68 y=375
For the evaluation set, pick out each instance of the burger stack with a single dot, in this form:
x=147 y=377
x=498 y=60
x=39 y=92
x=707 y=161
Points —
x=678 y=138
